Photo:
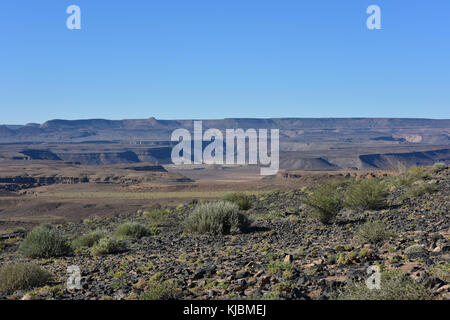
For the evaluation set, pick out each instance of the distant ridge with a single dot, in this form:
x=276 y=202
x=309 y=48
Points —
x=305 y=143
x=154 y=129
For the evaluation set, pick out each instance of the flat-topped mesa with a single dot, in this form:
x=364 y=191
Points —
x=141 y=129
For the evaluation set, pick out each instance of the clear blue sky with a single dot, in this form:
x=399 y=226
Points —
x=175 y=59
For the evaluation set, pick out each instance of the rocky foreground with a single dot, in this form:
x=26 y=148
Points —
x=285 y=254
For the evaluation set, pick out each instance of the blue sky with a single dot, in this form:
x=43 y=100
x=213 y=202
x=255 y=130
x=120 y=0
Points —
x=174 y=59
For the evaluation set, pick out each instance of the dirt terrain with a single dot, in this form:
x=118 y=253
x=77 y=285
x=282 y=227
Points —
x=285 y=254
x=52 y=191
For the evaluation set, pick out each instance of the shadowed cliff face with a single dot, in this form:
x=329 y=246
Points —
x=409 y=159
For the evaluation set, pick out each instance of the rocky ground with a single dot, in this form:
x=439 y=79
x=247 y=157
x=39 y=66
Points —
x=286 y=254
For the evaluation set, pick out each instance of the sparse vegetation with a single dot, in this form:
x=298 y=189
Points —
x=88 y=240
x=22 y=276
x=365 y=194
x=156 y=217
x=220 y=217
x=415 y=248
x=441 y=270
x=409 y=177
x=285 y=286
x=108 y=245
x=374 y=231
x=160 y=290
x=20 y=230
x=279 y=266
x=326 y=200
x=44 y=242
x=418 y=189
x=285 y=255
x=346 y=257
x=394 y=286
x=364 y=253
x=241 y=199
x=270 y=296
x=439 y=166
x=132 y=230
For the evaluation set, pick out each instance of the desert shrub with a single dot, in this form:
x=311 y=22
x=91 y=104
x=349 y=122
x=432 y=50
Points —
x=418 y=172
x=153 y=230
x=20 y=230
x=418 y=189
x=241 y=199
x=220 y=217
x=439 y=166
x=44 y=242
x=366 y=194
x=374 y=231
x=271 y=295
x=346 y=257
x=394 y=286
x=326 y=200
x=284 y=286
x=88 y=240
x=156 y=216
x=132 y=230
x=410 y=176
x=441 y=270
x=108 y=245
x=364 y=253
x=160 y=290
x=415 y=248
x=279 y=266
x=22 y=276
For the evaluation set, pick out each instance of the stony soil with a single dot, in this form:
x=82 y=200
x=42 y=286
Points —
x=241 y=266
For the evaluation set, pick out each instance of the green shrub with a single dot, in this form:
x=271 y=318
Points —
x=132 y=230
x=439 y=166
x=241 y=199
x=374 y=231
x=415 y=248
x=161 y=290
x=108 y=245
x=20 y=230
x=441 y=270
x=279 y=266
x=88 y=240
x=44 y=242
x=326 y=200
x=153 y=230
x=366 y=194
x=394 y=286
x=270 y=296
x=216 y=218
x=364 y=253
x=156 y=217
x=409 y=177
x=418 y=189
x=285 y=286
x=22 y=276
x=346 y=257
